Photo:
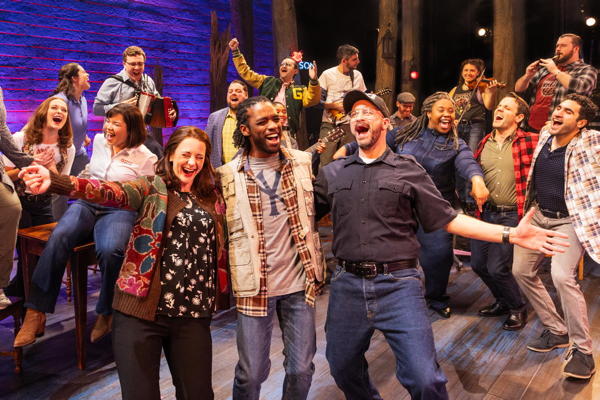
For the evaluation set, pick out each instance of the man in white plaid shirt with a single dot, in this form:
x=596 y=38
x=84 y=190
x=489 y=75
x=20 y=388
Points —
x=564 y=184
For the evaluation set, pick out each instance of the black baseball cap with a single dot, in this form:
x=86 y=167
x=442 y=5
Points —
x=356 y=95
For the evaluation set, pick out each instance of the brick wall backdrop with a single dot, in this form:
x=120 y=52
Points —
x=37 y=37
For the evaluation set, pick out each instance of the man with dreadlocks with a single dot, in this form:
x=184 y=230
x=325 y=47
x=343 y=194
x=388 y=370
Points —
x=433 y=141
x=377 y=199
x=274 y=251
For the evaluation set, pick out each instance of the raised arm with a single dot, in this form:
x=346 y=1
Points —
x=254 y=79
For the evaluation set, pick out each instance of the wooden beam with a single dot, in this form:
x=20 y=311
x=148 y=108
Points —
x=411 y=46
x=219 y=56
x=386 y=66
x=509 y=40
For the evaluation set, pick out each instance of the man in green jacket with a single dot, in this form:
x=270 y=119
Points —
x=281 y=89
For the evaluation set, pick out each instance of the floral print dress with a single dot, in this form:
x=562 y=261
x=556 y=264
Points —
x=187 y=273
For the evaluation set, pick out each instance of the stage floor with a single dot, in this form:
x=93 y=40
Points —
x=480 y=360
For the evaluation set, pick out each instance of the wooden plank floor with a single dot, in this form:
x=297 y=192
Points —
x=480 y=360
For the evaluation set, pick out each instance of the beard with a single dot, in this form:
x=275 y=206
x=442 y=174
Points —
x=367 y=143
x=564 y=58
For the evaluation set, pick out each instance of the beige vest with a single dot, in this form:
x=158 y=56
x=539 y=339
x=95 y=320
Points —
x=244 y=260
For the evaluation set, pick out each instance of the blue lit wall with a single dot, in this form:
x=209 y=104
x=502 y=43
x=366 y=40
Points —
x=37 y=37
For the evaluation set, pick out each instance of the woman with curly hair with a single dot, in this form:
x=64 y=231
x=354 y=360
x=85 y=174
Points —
x=48 y=135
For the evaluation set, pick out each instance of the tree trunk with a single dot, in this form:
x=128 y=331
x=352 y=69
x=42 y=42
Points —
x=411 y=46
x=285 y=38
x=386 y=67
x=219 y=57
x=509 y=40
x=242 y=20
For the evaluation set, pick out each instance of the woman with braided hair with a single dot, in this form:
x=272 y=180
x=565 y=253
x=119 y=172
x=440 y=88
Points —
x=433 y=141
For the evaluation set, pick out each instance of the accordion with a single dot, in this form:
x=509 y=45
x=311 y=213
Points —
x=156 y=110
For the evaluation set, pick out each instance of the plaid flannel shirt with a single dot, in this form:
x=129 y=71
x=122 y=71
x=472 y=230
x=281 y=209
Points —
x=256 y=306
x=583 y=81
x=523 y=146
x=582 y=186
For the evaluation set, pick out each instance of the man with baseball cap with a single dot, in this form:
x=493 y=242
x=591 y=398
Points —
x=376 y=198
x=405 y=102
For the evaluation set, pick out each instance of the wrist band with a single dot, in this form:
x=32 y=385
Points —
x=506 y=235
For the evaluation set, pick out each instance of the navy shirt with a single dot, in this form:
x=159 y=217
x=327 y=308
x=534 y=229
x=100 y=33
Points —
x=376 y=207
x=549 y=178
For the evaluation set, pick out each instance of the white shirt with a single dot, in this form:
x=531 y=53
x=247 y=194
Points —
x=19 y=139
x=337 y=85
x=126 y=165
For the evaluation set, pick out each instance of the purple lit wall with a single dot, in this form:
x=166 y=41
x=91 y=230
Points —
x=37 y=37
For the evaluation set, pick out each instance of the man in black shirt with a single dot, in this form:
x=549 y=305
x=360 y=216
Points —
x=376 y=198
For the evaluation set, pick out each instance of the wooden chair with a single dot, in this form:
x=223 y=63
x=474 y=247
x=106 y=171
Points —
x=15 y=310
x=32 y=243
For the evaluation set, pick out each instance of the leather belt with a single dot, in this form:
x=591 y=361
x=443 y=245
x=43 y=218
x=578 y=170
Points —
x=368 y=269
x=495 y=208
x=554 y=214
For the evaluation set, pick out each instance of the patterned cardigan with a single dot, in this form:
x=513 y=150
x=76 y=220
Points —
x=138 y=286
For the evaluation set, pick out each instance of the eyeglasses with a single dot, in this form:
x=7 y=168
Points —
x=287 y=64
x=365 y=114
x=135 y=64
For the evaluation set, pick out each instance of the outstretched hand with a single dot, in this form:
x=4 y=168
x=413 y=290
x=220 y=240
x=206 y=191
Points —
x=36 y=178
x=531 y=237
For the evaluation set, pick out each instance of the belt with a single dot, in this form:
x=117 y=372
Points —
x=495 y=208
x=554 y=214
x=368 y=269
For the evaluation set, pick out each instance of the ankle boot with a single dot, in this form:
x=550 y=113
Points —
x=102 y=327
x=33 y=326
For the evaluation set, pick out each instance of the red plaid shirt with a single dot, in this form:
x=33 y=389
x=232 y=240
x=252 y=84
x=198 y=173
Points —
x=523 y=147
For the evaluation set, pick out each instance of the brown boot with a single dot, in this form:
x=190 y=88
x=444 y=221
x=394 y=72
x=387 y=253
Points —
x=102 y=327
x=33 y=326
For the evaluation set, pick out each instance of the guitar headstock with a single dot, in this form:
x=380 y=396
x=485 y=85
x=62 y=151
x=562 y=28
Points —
x=383 y=92
x=334 y=134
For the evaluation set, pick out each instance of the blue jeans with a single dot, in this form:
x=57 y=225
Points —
x=436 y=258
x=297 y=322
x=493 y=262
x=110 y=227
x=393 y=304
x=471 y=133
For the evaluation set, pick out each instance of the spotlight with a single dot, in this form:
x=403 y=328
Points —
x=590 y=21
x=481 y=32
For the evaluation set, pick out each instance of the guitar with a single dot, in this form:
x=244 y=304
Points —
x=338 y=115
x=331 y=136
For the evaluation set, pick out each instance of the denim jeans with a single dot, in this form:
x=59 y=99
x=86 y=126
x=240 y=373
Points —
x=393 y=304
x=471 y=133
x=297 y=323
x=110 y=227
x=493 y=262
x=436 y=258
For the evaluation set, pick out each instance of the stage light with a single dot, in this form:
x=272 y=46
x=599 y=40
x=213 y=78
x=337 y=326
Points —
x=590 y=21
x=481 y=32
x=414 y=74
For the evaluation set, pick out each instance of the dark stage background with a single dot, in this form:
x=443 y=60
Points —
x=448 y=34
x=38 y=37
